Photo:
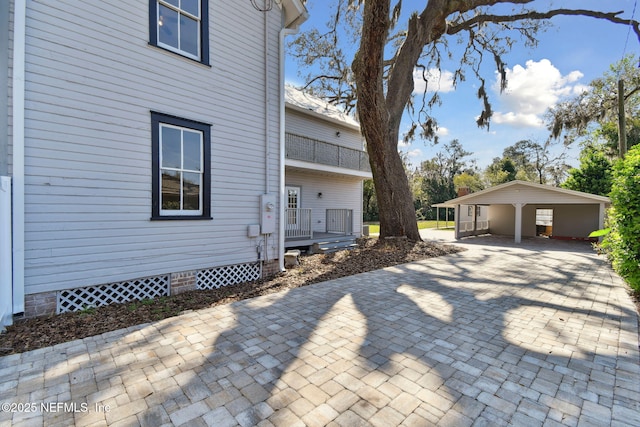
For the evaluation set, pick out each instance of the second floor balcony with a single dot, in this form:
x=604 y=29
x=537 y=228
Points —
x=324 y=153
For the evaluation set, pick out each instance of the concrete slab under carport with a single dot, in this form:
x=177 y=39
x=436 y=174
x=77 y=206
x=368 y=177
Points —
x=512 y=207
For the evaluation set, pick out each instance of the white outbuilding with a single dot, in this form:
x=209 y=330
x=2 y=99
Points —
x=526 y=209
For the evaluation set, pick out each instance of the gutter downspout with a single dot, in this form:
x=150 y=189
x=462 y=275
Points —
x=267 y=126
x=19 y=36
x=289 y=29
x=281 y=229
x=6 y=258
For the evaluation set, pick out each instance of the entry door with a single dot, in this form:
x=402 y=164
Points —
x=293 y=204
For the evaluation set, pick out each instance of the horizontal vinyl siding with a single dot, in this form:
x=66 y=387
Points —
x=310 y=126
x=337 y=193
x=92 y=80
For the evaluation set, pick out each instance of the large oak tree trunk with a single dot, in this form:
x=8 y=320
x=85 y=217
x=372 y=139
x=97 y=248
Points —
x=395 y=200
x=380 y=123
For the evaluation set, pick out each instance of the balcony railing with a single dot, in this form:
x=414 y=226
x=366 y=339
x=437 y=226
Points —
x=312 y=150
x=468 y=225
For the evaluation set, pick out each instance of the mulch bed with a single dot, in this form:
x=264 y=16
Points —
x=371 y=254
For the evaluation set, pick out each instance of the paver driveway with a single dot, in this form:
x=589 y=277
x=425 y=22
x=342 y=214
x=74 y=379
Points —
x=495 y=335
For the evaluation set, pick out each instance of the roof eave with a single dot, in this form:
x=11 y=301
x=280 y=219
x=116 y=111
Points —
x=462 y=199
x=321 y=116
x=295 y=13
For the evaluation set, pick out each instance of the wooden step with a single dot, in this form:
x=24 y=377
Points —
x=334 y=245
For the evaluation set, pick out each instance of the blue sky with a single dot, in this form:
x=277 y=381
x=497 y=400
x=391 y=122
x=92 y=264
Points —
x=569 y=55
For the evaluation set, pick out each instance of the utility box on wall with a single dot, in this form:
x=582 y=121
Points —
x=268 y=213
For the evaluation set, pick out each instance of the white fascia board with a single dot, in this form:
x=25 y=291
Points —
x=316 y=167
x=469 y=198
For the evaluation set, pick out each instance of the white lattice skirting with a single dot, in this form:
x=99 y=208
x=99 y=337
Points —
x=112 y=293
x=228 y=275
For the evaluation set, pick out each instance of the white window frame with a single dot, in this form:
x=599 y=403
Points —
x=181 y=170
x=180 y=11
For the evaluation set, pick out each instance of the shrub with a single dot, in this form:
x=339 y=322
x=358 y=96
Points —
x=622 y=244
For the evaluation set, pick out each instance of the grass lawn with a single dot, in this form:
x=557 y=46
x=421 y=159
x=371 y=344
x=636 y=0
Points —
x=374 y=227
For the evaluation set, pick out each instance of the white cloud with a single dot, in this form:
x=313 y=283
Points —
x=517 y=119
x=436 y=80
x=442 y=131
x=415 y=153
x=531 y=90
x=580 y=89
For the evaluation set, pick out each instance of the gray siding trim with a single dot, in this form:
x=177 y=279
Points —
x=4 y=88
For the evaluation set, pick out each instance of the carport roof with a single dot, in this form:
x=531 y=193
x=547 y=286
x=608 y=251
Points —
x=524 y=192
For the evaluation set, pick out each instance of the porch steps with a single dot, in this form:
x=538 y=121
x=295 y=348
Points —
x=335 y=244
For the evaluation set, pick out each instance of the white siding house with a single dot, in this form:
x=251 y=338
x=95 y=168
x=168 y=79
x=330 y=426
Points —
x=325 y=164
x=142 y=137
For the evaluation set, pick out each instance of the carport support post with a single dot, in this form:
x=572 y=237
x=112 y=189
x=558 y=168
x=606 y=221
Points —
x=518 y=230
x=601 y=219
x=456 y=221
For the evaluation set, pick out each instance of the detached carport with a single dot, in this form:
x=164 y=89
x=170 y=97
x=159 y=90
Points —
x=511 y=209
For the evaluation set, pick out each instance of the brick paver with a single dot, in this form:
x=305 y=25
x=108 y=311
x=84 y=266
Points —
x=538 y=334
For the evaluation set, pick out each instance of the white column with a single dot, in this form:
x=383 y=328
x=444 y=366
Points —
x=18 y=99
x=518 y=227
x=456 y=220
x=6 y=258
x=601 y=213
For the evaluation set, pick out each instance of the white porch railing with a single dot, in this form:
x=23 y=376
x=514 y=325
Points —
x=468 y=225
x=340 y=221
x=298 y=224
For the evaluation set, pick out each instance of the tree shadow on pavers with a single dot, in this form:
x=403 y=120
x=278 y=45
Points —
x=528 y=243
x=440 y=341
x=407 y=342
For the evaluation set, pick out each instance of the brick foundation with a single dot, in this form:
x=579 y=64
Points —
x=42 y=304
x=183 y=282
x=270 y=268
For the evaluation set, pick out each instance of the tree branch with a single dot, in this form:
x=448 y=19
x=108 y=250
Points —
x=534 y=15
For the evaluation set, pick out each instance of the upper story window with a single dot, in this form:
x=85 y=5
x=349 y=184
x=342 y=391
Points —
x=181 y=177
x=181 y=26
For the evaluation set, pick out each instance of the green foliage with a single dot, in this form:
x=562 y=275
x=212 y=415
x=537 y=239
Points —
x=500 y=171
x=87 y=309
x=369 y=201
x=600 y=233
x=468 y=180
x=594 y=174
x=622 y=243
x=531 y=161
x=434 y=181
x=599 y=105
